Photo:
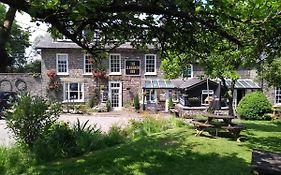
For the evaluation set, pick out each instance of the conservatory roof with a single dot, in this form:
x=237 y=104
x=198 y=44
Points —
x=244 y=84
x=157 y=84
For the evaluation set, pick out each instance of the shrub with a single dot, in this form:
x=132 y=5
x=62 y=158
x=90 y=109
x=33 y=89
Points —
x=93 y=101
x=170 y=103
x=253 y=106
x=88 y=137
x=114 y=136
x=63 y=141
x=57 y=142
x=108 y=105
x=15 y=160
x=30 y=116
x=151 y=125
x=136 y=102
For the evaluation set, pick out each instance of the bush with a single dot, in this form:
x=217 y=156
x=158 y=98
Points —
x=93 y=101
x=88 y=137
x=30 y=117
x=151 y=125
x=170 y=103
x=15 y=160
x=58 y=142
x=136 y=102
x=114 y=136
x=108 y=105
x=253 y=106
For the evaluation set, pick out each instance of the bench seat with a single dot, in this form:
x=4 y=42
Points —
x=264 y=162
x=200 y=127
x=175 y=111
x=234 y=130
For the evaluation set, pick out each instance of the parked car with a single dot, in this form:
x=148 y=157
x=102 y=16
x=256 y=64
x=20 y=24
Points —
x=6 y=100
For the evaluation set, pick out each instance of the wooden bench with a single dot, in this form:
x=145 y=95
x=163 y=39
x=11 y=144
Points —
x=175 y=111
x=264 y=162
x=234 y=130
x=200 y=127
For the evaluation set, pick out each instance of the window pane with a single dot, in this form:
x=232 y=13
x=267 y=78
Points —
x=88 y=64
x=278 y=95
x=62 y=63
x=188 y=71
x=73 y=91
x=150 y=63
x=115 y=63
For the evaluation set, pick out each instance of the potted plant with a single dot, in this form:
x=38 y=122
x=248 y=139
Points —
x=137 y=103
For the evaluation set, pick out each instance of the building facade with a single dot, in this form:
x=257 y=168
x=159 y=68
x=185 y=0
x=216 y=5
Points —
x=129 y=72
x=125 y=69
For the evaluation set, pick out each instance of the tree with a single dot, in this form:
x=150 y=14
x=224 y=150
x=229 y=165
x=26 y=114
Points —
x=231 y=33
x=13 y=41
x=81 y=20
x=221 y=58
x=142 y=21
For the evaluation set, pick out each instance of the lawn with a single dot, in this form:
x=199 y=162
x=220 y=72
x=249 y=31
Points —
x=173 y=152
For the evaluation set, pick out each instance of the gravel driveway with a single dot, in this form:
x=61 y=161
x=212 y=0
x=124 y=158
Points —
x=103 y=120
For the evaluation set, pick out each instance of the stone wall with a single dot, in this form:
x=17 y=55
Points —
x=131 y=85
x=16 y=82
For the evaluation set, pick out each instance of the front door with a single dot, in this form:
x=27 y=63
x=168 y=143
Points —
x=115 y=90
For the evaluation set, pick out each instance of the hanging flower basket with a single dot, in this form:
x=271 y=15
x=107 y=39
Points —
x=54 y=85
x=51 y=73
x=99 y=74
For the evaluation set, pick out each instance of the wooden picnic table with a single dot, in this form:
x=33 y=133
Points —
x=226 y=124
x=227 y=119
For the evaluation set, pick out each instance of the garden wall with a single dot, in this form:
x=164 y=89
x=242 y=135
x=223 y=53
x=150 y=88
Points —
x=17 y=82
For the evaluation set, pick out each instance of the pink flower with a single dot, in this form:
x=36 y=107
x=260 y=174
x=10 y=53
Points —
x=51 y=73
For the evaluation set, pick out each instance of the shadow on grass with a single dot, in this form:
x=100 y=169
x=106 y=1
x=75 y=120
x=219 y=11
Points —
x=263 y=126
x=264 y=143
x=265 y=135
x=170 y=154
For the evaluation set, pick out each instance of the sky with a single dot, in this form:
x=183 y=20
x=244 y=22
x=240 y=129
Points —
x=24 y=20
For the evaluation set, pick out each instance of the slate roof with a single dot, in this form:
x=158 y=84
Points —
x=189 y=83
x=48 y=42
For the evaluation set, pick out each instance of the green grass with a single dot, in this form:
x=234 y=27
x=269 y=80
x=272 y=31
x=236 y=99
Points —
x=173 y=152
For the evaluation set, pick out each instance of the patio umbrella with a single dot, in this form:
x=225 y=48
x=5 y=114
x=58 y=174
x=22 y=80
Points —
x=216 y=104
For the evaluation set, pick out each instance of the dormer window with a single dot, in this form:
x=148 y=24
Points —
x=63 y=39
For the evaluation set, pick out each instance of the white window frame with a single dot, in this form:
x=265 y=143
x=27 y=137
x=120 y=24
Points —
x=148 y=93
x=66 y=99
x=191 y=74
x=277 y=95
x=87 y=64
x=63 y=39
x=177 y=95
x=57 y=66
x=206 y=92
x=120 y=93
x=155 y=59
x=118 y=72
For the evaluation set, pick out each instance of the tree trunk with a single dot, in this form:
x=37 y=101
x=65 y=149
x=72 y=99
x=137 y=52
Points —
x=5 y=31
x=229 y=95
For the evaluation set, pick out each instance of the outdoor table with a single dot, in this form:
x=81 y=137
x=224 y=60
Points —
x=226 y=118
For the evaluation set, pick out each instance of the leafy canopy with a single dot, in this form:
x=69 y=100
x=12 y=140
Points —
x=16 y=44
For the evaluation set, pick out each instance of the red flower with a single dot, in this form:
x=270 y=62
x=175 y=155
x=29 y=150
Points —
x=99 y=74
x=51 y=73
